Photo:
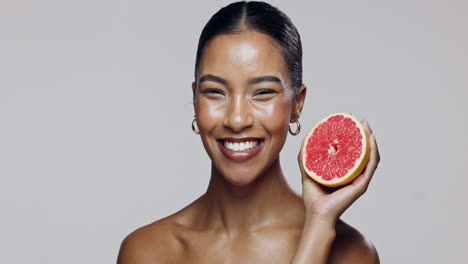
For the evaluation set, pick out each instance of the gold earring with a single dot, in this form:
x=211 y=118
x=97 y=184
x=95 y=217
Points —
x=193 y=127
x=298 y=129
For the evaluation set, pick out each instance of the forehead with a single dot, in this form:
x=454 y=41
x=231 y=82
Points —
x=243 y=55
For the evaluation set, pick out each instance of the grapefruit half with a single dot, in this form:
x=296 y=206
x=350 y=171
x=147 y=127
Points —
x=336 y=150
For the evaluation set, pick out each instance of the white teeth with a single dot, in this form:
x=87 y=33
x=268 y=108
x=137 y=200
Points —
x=248 y=145
x=241 y=146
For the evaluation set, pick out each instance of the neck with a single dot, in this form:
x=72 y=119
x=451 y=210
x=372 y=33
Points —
x=260 y=203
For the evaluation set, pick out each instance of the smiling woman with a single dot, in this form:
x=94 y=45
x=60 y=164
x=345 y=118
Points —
x=247 y=90
x=250 y=99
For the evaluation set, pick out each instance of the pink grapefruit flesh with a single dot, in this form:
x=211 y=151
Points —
x=336 y=150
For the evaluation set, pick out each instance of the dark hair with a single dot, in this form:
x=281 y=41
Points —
x=262 y=17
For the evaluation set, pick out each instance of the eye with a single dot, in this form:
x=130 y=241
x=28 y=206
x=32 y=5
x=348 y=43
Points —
x=265 y=92
x=212 y=91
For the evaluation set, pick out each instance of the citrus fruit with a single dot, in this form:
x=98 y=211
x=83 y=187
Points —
x=336 y=150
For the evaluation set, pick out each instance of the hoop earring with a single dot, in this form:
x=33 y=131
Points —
x=298 y=129
x=193 y=127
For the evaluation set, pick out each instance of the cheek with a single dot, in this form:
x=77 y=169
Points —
x=209 y=113
x=276 y=116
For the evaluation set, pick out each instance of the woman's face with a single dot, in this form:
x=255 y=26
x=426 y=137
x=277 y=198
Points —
x=243 y=104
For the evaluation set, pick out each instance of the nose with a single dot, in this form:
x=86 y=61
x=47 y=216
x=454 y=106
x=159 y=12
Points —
x=239 y=114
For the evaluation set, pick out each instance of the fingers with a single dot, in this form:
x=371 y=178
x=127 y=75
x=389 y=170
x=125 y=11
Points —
x=373 y=143
x=372 y=139
x=367 y=127
x=348 y=194
x=362 y=182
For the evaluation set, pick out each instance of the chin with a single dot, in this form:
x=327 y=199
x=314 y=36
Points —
x=239 y=177
x=240 y=181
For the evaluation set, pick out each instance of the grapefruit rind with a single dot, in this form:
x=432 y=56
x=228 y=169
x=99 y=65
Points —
x=359 y=164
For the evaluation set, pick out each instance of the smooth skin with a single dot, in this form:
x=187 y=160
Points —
x=249 y=214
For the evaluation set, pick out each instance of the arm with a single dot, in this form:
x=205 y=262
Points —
x=316 y=240
x=324 y=206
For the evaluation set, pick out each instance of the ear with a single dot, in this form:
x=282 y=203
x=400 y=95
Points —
x=299 y=103
x=194 y=92
x=194 y=88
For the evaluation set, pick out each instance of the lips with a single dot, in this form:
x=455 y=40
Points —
x=240 y=149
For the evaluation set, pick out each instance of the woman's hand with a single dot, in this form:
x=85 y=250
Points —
x=326 y=204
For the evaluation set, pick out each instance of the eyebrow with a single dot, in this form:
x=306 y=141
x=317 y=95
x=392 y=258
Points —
x=268 y=78
x=214 y=78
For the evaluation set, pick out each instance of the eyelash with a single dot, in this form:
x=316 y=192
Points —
x=215 y=91
x=258 y=93
x=265 y=91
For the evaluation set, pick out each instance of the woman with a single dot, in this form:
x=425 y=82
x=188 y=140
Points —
x=247 y=90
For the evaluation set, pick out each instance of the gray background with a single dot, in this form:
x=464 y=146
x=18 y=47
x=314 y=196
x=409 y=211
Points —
x=95 y=112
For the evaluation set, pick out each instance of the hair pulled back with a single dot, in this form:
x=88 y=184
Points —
x=264 y=18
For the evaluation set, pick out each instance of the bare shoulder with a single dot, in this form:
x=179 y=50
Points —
x=351 y=246
x=155 y=243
